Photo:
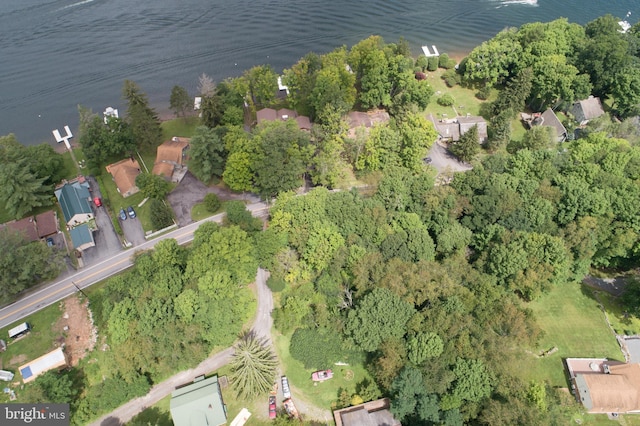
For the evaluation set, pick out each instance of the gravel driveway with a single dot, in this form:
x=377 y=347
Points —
x=190 y=191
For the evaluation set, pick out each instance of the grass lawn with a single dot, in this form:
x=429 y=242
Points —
x=199 y=212
x=322 y=394
x=465 y=98
x=615 y=311
x=179 y=127
x=38 y=342
x=573 y=322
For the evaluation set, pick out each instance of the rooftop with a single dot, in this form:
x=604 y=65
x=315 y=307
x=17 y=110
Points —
x=199 y=403
x=31 y=370
x=124 y=174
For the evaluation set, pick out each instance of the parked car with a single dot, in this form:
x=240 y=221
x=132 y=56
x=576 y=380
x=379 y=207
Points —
x=123 y=215
x=97 y=201
x=272 y=407
x=132 y=213
x=428 y=160
x=50 y=242
x=285 y=387
x=322 y=375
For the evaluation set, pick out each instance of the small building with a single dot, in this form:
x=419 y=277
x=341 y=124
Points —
x=547 y=118
x=450 y=130
x=172 y=157
x=587 y=109
x=124 y=175
x=366 y=120
x=35 y=228
x=19 y=330
x=26 y=227
x=108 y=113
x=270 y=114
x=6 y=376
x=82 y=237
x=3 y=345
x=50 y=361
x=74 y=198
x=604 y=386
x=374 y=413
x=199 y=403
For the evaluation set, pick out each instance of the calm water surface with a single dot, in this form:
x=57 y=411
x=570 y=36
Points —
x=56 y=54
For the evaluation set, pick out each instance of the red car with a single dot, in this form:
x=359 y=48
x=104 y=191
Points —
x=272 y=407
x=97 y=201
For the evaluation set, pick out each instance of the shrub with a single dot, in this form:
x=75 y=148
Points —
x=432 y=63
x=444 y=61
x=315 y=348
x=276 y=283
x=237 y=214
x=422 y=62
x=161 y=215
x=445 y=100
x=451 y=78
x=484 y=93
x=212 y=203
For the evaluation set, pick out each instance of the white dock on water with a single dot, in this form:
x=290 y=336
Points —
x=428 y=53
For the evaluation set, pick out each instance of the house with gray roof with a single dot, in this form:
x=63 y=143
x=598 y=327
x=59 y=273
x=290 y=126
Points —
x=199 y=403
x=547 y=118
x=450 y=130
x=587 y=109
x=74 y=200
x=373 y=413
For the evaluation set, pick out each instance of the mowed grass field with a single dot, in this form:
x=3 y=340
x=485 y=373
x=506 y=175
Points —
x=572 y=321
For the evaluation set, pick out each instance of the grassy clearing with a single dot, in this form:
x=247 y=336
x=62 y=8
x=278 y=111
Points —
x=465 y=98
x=184 y=127
x=39 y=341
x=573 y=322
x=199 y=212
x=324 y=394
x=621 y=323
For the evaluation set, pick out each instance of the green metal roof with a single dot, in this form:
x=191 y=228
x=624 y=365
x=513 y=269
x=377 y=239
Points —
x=74 y=199
x=81 y=235
x=198 y=404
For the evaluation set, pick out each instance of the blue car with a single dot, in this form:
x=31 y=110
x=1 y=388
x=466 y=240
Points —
x=132 y=213
x=123 y=215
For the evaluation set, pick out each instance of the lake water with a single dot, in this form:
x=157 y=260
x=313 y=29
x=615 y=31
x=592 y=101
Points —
x=56 y=54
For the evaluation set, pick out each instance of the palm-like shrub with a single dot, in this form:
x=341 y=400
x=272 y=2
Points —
x=253 y=367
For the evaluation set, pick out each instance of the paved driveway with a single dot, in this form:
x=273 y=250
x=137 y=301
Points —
x=107 y=241
x=133 y=232
x=444 y=162
x=190 y=191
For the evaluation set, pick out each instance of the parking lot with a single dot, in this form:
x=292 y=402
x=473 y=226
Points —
x=445 y=162
x=132 y=229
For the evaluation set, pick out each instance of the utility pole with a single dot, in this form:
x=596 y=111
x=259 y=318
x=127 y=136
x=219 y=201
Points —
x=80 y=290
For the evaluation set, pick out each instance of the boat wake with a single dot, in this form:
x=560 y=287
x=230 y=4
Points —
x=76 y=4
x=510 y=2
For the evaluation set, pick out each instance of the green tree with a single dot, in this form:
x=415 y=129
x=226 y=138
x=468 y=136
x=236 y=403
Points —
x=474 y=381
x=212 y=202
x=161 y=215
x=180 y=102
x=411 y=402
x=379 y=315
x=263 y=84
x=208 y=154
x=21 y=191
x=237 y=214
x=44 y=162
x=153 y=186
x=424 y=345
x=468 y=146
x=284 y=155
x=143 y=119
x=253 y=367
x=538 y=137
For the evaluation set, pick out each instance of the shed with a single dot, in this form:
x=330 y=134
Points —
x=47 y=224
x=199 y=403
x=19 y=330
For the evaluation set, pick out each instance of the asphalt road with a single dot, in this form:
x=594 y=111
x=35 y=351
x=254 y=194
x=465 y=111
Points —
x=68 y=285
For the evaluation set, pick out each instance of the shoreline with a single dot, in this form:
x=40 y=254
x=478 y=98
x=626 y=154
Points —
x=165 y=114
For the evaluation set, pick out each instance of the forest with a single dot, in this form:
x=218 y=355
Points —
x=424 y=284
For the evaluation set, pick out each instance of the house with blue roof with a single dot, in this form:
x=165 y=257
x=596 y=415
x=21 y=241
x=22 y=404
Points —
x=74 y=198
